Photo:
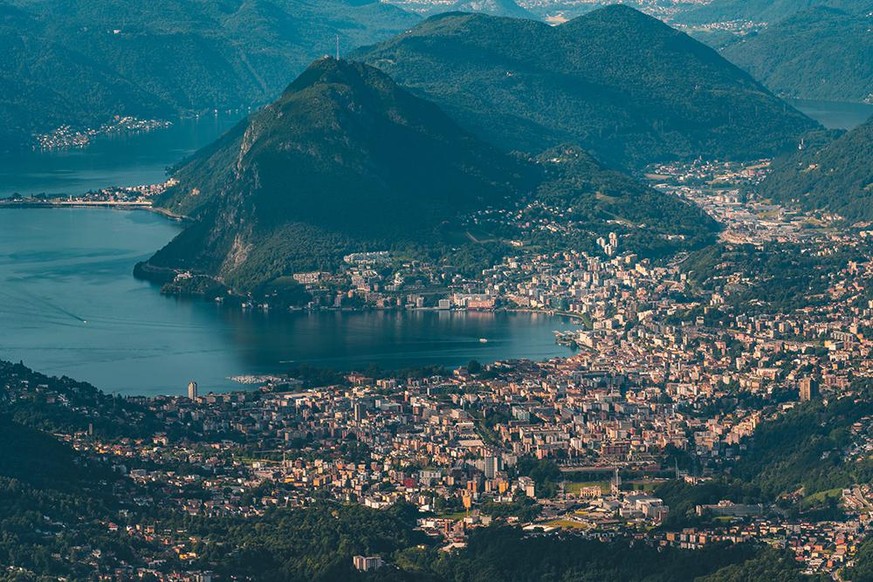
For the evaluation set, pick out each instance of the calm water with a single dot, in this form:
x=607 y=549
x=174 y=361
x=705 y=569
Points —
x=109 y=161
x=69 y=305
x=834 y=115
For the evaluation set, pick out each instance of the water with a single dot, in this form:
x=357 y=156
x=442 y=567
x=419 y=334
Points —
x=834 y=115
x=70 y=305
x=118 y=160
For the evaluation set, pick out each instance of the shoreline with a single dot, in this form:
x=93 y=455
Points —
x=116 y=205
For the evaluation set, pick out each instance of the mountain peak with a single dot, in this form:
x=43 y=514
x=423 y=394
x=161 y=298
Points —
x=328 y=70
x=621 y=17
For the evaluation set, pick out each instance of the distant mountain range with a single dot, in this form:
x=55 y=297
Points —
x=620 y=83
x=80 y=62
x=347 y=161
x=834 y=176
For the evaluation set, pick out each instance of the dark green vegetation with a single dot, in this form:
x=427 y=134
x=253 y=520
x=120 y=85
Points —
x=863 y=569
x=508 y=554
x=621 y=84
x=80 y=62
x=823 y=54
x=768 y=11
x=600 y=200
x=776 y=276
x=836 y=177
x=348 y=161
x=83 y=407
x=806 y=448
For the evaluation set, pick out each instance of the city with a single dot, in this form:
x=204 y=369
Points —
x=668 y=384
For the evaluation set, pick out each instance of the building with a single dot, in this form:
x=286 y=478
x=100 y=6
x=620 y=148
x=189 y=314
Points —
x=808 y=389
x=367 y=563
x=493 y=465
x=729 y=509
x=192 y=390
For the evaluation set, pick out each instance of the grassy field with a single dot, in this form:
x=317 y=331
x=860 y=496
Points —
x=821 y=496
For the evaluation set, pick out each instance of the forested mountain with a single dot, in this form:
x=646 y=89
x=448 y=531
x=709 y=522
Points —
x=80 y=62
x=836 y=177
x=345 y=160
x=765 y=11
x=621 y=84
x=824 y=54
x=348 y=161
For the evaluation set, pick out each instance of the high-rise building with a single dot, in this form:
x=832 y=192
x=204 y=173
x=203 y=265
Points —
x=493 y=464
x=192 y=390
x=808 y=389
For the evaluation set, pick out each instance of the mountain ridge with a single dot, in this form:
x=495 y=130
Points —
x=622 y=84
x=819 y=54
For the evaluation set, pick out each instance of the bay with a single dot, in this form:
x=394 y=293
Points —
x=69 y=305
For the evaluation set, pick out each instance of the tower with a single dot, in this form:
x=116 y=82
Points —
x=616 y=483
x=192 y=390
x=808 y=389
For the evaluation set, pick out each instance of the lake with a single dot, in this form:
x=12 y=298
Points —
x=70 y=305
x=117 y=160
x=834 y=115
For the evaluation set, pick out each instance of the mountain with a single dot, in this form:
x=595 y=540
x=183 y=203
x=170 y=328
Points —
x=80 y=62
x=347 y=161
x=765 y=11
x=822 y=54
x=344 y=161
x=836 y=177
x=621 y=84
x=507 y=8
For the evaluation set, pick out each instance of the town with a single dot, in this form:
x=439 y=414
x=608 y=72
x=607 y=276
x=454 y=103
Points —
x=68 y=137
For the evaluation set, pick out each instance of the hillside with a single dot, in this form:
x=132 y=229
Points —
x=347 y=161
x=836 y=177
x=765 y=11
x=822 y=54
x=80 y=62
x=621 y=84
